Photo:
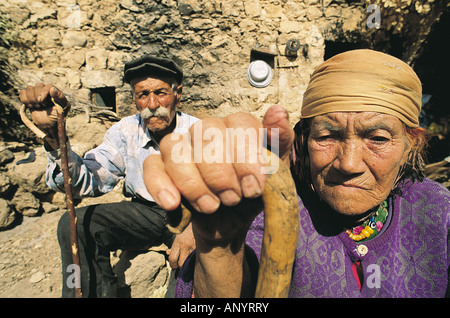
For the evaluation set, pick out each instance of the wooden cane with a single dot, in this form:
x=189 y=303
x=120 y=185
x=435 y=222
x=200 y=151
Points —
x=281 y=225
x=62 y=137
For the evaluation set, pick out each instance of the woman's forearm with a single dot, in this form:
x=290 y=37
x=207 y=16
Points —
x=222 y=272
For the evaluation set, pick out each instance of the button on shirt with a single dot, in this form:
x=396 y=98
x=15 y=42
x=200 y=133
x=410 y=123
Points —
x=121 y=155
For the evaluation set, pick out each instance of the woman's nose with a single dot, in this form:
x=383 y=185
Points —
x=350 y=158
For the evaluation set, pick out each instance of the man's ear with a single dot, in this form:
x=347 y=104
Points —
x=133 y=93
x=179 y=93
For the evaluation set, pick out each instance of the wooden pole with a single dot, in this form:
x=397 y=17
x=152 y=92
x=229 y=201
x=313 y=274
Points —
x=62 y=138
x=69 y=198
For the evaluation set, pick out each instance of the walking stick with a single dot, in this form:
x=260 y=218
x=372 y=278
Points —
x=67 y=184
x=281 y=225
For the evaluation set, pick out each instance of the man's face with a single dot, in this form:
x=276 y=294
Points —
x=355 y=158
x=157 y=95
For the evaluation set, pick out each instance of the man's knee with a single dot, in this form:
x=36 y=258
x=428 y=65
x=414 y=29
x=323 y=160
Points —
x=63 y=229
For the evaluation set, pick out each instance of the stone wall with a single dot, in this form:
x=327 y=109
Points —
x=81 y=45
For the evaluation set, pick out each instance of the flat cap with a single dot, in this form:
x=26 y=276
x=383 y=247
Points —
x=149 y=65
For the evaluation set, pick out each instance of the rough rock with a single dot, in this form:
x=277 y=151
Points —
x=30 y=176
x=6 y=156
x=5 y=184
x=49 y=207
x=146 y=274
x=26 y=203
x=7 y=216
x=37 y=277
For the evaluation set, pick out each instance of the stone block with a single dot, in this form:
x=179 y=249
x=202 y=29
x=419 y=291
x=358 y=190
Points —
x=74 y=38
x=252 y=8
x=48 y=39
x=101 y=78
x=41 y=13
x=73 y=59
x=72 y=17
x=96 y=59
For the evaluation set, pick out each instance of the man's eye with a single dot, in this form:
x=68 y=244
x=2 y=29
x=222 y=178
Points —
x=160 y=92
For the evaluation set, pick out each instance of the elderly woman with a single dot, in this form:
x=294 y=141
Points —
x=371 y=225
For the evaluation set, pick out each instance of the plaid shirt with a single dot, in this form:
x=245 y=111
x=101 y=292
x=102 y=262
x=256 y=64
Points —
x=121 y=155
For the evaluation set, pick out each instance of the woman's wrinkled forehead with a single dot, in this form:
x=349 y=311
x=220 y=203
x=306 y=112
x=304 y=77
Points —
x=358 y=122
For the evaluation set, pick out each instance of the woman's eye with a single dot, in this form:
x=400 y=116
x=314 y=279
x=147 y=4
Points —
x=324 y=137
x=379 y=139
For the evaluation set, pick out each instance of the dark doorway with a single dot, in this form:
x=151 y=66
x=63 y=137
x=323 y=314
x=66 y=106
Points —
x=104 y=97
x=433 y=69
x=333 y=48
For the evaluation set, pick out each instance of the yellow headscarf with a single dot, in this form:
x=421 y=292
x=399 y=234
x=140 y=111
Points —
x=364 y=80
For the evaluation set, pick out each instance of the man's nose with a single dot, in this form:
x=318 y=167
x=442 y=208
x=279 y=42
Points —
x=152 y=101
x=350 y=159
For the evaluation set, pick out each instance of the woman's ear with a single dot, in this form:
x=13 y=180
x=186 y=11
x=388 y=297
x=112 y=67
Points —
x=408 y=152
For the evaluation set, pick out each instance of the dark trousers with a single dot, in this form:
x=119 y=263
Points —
x=128 y=225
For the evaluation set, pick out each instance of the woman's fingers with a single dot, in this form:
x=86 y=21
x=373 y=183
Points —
x=216 y=171
x=217 y=163
x=159 y=184
x=276 y=120
x=176 y=153
x=245 y=140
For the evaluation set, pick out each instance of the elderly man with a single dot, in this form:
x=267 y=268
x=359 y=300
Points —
x=371 y=225
x=135 y=224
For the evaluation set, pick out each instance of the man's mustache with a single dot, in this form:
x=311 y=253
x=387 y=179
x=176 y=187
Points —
x=158 y=112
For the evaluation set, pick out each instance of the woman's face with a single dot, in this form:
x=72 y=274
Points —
x=355 y=158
